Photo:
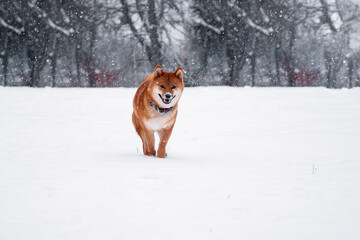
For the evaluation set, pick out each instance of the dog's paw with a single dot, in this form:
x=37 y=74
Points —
x=161 y=154
x=150 y=153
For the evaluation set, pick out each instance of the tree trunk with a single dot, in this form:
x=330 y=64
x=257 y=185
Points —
x=204 y=53
x=53 y=55
x=78 y=48
x=5 y=61
x=290 y=58
x=53 y=62
x=155 y=48
x=235 y=75
x=36 y=64
x=350 y=71
x=277 y=65
x=329 y=65
x=35 y=79
x=231 y=64
x=31 y=61
x=90 y=59
x=253 y=60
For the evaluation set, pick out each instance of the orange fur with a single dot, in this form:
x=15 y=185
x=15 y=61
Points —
x=146 y=118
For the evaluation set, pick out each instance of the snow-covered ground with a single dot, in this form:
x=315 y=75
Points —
x=243 y=163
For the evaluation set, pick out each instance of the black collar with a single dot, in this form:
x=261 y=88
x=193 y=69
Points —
x=161 y=110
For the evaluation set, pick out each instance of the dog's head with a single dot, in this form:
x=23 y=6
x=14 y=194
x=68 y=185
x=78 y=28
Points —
x=166 y=88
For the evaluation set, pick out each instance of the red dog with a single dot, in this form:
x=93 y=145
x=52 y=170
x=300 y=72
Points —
x=155 y=108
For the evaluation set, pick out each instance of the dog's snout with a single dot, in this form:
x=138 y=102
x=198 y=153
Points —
x=168 y=95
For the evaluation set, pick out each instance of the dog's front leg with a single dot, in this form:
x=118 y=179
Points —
x=150 y=144
x=164 y=135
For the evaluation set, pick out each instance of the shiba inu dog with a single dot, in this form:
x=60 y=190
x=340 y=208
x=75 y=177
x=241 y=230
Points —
x=155 y=108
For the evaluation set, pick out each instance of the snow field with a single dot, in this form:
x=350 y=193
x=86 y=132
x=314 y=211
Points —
x=243 y=163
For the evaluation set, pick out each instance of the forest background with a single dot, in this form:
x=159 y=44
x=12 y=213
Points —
x=115 y=43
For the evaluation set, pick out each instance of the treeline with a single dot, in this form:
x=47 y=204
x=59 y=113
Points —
x=110 y=43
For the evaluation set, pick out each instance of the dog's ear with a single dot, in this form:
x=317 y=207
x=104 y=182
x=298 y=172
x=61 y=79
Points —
x=158 y=71
x=179 y=73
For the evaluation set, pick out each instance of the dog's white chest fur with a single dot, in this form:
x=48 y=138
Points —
x=160 y=122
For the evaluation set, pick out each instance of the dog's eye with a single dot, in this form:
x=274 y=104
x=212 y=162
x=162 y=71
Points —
x=173 y=87
x=162 y=86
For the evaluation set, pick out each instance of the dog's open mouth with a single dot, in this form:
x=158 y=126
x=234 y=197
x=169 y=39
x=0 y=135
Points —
x=166 y=100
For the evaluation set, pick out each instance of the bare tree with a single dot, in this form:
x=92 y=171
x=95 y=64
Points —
x=151 y=13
